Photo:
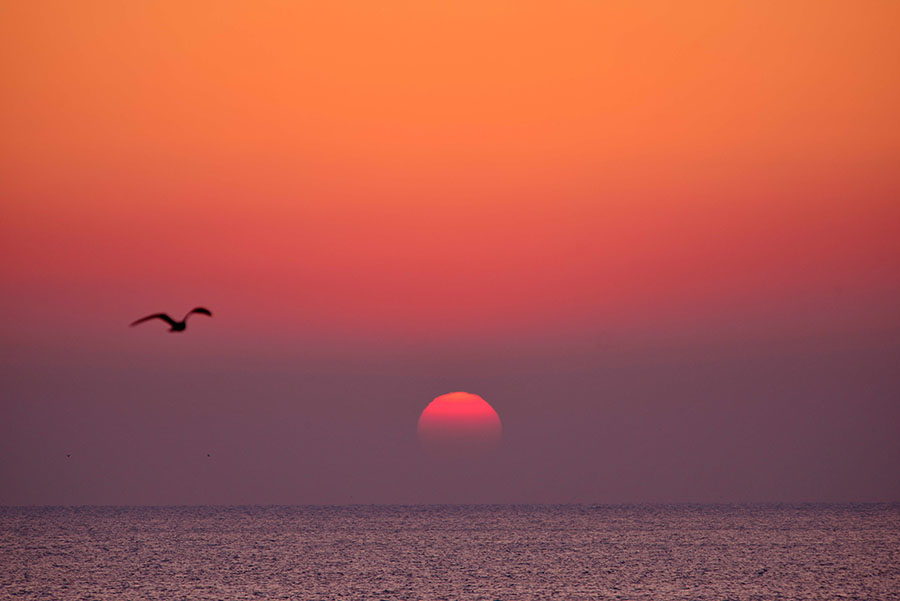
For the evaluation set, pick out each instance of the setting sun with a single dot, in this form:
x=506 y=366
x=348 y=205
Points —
x=459 y=421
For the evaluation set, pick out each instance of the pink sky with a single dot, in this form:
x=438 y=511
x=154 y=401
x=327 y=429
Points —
x=660 y=239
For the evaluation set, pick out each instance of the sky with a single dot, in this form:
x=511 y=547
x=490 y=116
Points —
x=661 y=239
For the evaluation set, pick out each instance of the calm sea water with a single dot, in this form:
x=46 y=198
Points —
x=443 y=552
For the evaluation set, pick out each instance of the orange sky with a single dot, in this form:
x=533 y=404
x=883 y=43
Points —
x=444 y=169
x=661 y=239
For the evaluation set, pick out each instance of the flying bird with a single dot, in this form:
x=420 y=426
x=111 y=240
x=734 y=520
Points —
x=175 y=326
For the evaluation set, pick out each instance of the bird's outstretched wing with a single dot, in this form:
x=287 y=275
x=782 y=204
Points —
x=161 y=316
x=199 y=310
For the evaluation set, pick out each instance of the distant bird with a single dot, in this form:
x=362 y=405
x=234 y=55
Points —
x=208 y=455
x=68 y=454
x=176 y=326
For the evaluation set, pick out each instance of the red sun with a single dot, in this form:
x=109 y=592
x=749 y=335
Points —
x=459 y=422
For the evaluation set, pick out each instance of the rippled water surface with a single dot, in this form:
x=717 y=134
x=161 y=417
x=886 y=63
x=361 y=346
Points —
x=496 y=552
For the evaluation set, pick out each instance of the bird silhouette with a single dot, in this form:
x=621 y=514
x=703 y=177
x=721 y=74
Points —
x=175 y=326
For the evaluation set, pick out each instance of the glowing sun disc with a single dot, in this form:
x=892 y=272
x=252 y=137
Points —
x=459 y=421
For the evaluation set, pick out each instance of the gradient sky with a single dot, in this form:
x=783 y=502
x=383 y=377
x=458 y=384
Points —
x=662 y=239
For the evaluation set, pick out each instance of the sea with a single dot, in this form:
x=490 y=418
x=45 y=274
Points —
x=506 y=552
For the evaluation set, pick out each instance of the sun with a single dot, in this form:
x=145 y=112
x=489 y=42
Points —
x=459 y=422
